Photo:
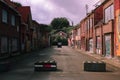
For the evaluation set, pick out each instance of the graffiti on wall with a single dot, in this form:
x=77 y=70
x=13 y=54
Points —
x=117 y=33
x=91 y=45
x=108 y=45
x=98 y=45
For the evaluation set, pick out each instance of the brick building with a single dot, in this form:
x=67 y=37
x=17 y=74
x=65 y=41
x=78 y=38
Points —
x=117 y=28
x=18 y=32
x=97 y=30
x=26 y=29
x=44 y=38
x=36 y=35
x=9 y=30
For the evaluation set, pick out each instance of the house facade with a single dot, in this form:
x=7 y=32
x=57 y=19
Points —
x=26 y=31
x=18 y=32
x=9 y=30
x=117 y=28
x=99 y=30
x=43 y=36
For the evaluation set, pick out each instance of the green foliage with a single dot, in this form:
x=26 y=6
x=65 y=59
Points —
x=59 y=23
x=68 y=29
x=64 y=41
x=57 y=39
x=45 y=27
x=17 y=4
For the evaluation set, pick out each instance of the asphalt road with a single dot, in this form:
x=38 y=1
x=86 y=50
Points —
x=69 y=62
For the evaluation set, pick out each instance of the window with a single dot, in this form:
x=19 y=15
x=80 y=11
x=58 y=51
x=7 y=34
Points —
x=4 y=44
x=91 y=45
x=14 y=44
x=91 y=22
x=98 y=42
x=4 y=16
x=13 y=20
x=88 y=23
x=109 y=13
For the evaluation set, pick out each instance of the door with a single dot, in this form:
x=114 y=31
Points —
x=91 y=45
x=108 y=45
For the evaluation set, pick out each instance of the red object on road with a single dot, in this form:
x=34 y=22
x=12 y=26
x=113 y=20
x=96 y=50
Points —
x=47 y=65
x=50 y=65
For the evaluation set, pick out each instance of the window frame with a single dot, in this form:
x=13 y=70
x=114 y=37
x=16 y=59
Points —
x=4 y=45
x=109 y=13
x=4 y=16
x=13 y=20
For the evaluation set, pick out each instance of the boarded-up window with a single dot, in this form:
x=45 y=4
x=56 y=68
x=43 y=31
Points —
x=4 y=45
x=13 y=20
x=4 y=16
x=14 y=45
x=109 y=13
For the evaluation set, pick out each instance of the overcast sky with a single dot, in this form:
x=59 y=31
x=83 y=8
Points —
x=44 y=11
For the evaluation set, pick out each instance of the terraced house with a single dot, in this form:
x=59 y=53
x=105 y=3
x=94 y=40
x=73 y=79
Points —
x=26 y=28
x=18 y=32
x=117 y=28
x=9 y=30
x=99 y=30
x=36 y=35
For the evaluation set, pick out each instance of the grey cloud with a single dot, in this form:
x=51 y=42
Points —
x=74 y=6
x=72 y=9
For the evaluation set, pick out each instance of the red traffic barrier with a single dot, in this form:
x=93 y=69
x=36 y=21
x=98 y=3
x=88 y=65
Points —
x=50 y=65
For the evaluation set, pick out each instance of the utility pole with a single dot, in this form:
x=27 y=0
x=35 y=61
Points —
x=86 y=7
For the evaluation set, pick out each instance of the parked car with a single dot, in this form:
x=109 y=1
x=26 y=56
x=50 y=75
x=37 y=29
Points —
x=59 y=44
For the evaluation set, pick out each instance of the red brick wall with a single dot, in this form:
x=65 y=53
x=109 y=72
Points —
x=98 y=14
x=117 y=4
x=108 y=28
x=6 y=28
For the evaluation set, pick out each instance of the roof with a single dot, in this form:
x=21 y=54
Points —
x=25 y=12
x=10 y=3
x=35 y=22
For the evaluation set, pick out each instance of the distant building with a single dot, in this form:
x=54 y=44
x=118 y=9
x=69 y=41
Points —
x=44 y=36
x=36 y=35
x=61 y=34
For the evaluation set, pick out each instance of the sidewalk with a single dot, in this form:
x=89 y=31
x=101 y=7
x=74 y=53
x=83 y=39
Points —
x=112 y=61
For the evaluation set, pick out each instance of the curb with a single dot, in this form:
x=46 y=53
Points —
x=112 y=61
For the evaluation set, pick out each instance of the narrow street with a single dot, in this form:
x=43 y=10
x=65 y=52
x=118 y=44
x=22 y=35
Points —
x=69 y=62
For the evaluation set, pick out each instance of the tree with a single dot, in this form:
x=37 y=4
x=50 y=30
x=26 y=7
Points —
x=59 y=23
x=45 y=27
x=17 y=4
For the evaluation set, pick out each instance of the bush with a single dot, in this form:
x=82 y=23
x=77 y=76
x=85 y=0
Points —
x=64 y=42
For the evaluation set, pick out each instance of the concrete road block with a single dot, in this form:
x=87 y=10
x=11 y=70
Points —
x=49 y=65
x=97 y=66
